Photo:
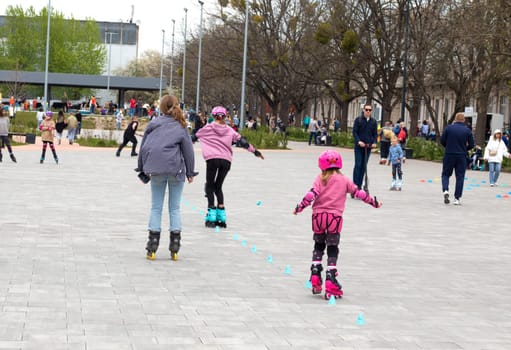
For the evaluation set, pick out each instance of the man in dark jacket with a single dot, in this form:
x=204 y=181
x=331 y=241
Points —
x=365 y=133
x=457 y=139
x=130 y=136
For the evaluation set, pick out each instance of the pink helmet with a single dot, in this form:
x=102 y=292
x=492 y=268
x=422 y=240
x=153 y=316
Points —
x=219 y=112
x=330 y=160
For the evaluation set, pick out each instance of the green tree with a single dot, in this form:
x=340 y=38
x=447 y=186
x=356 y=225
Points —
x=75 y=46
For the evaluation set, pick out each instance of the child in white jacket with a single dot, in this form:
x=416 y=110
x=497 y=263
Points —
x=494 y=152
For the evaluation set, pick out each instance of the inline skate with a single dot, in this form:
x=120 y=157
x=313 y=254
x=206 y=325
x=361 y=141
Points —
x=211 y=217
x=332 y=286
x=221 y=217
x=315 y=279
x=152 y=244
x=175 y=243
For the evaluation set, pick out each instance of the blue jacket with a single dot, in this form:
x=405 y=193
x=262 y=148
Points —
x=166 y=149
x=395 y=154
x=457 y=139
x=365 y=130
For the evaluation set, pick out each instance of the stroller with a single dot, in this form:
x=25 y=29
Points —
x=476 y=161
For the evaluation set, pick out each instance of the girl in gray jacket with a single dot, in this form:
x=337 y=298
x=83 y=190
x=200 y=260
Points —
x=167 y=159
x=4 y=135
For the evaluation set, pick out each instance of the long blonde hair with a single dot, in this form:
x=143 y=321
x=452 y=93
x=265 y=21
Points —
x=169 y=105
x=327 y=174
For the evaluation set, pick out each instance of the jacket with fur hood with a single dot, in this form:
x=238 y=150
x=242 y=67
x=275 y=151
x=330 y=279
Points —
x=495 y=149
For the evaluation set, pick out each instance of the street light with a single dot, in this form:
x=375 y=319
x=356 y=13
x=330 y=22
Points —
x=47 y=59
x=244 y=73
x=161 y=61
x=184 y=63
x=199 y=59
x=109 y=62
x=172 y=58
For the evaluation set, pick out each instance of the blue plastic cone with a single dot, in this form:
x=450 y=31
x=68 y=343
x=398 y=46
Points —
x=235 y=236
x=269 y=259
x=308 y=285
x=287 y=271
x=360 y=319
x=217 y=229
x=259 y=203
x=243 y=243
x=254 y=249
x=332 y=301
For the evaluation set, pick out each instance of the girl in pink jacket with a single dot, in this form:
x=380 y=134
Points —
x=329 y=193
x=216 y=140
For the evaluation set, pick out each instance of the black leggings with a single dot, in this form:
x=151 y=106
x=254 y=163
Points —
x=216 y=171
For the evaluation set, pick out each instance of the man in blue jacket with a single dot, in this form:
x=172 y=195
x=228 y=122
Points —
x=365 y=133
x=457 y=139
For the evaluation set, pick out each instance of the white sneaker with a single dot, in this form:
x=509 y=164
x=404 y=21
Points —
x=456 y=202
x=491 y=185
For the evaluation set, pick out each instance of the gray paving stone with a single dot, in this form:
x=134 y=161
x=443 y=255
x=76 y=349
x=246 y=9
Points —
x=74 y=275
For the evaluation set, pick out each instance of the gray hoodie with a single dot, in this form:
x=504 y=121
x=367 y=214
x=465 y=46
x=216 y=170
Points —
x=166 y=149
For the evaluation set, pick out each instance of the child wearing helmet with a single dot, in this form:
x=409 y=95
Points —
x=216 y=140
x=47 y=128
x=328 y=193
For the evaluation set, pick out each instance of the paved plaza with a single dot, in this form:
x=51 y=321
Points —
x=416 y=273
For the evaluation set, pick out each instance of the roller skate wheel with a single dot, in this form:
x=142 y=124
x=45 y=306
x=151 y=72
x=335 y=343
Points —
x=173 y=256
x=151 y=256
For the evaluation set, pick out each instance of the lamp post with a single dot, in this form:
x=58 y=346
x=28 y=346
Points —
x=161 y=61
x=172 y=58
x=47 y=59
x=184 y=63
x=244 y=73
x=109 y=61
x=405 y=60
x=197 y=101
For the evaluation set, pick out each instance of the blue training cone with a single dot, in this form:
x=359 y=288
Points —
x=287 y=271
x=254 y=249
x=243 y=243
x=217 y=229
x=332 y=301
x=360 y=319
x=235 y=236
x=259 y=203
x=269 y=259
x=308 y=285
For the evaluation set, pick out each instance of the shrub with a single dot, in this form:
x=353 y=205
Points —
x=422 y=149
x=96 y=142
x=261 y=138
x=297 y=134
x=342 y=139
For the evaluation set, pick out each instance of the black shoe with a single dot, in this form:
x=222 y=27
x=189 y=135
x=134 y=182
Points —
x=446 y=197
x=117 y=154
x=134 y=154
x=13 y=158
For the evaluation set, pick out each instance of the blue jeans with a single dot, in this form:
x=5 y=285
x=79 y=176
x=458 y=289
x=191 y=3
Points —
x=158 y=187
x=71 y=134
x=494 y=171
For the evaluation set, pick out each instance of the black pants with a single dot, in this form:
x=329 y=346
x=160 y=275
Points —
x=216 y=171
x=126 y=139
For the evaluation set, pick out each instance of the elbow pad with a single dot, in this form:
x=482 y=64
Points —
x=242 y=142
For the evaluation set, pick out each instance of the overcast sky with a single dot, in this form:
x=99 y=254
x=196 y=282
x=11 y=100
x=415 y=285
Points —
x=151 y=17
